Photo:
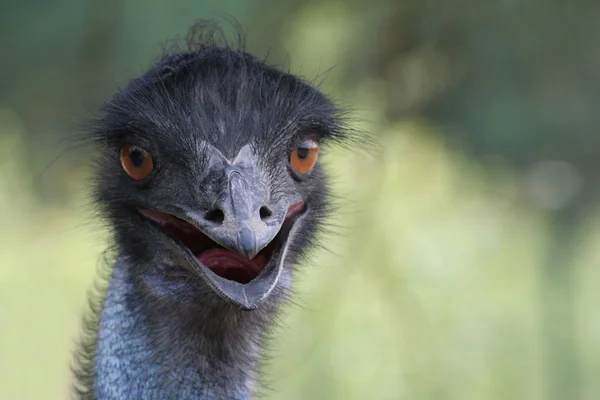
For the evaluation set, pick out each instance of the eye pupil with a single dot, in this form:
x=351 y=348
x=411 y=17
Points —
x=137 y=157
x=302 y=153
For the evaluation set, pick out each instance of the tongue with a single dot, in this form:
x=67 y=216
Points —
x=223 y=261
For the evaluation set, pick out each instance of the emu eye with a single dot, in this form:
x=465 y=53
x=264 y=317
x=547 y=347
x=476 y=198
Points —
x=136 y=161
x=304 y=157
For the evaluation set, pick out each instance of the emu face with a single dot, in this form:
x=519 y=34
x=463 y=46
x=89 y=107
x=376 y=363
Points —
x=209 y=175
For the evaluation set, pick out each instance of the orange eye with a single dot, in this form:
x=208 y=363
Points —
x=136 y=161
x=304 y=157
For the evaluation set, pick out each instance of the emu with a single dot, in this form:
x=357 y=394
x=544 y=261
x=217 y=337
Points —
x=208 y=176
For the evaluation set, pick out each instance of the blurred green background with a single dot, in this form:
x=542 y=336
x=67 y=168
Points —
x=465 y=265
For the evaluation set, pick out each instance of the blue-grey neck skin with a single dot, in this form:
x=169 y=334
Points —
x=165 y=354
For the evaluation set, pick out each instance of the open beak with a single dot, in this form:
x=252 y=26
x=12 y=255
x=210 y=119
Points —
x=239 y=247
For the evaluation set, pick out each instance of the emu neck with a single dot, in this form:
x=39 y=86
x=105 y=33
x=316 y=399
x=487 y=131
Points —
x=150 y=349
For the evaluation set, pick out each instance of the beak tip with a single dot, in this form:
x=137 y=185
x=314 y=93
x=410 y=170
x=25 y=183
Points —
x=247 y=242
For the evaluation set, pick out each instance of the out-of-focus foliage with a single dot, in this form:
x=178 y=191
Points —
x=465 y=265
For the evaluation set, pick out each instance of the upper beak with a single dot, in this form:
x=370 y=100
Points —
x=250 y=216
x=243 y=220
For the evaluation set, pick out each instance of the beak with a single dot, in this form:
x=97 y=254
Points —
x=243 y=220
x=250 y=215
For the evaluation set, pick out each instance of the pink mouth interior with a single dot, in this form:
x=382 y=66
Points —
x=223 y=262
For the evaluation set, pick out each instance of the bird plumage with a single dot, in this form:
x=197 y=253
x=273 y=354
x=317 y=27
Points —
x=220 y=126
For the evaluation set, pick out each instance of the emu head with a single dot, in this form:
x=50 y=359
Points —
x=210 y=178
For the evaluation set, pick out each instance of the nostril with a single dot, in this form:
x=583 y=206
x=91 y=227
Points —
x=265 y=212
x=215 y=216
